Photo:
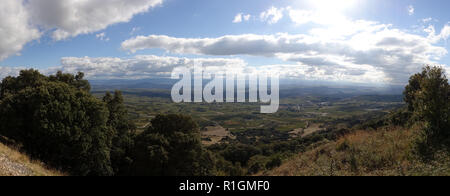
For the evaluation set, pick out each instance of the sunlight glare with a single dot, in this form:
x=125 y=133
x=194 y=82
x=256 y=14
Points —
x=332 y=6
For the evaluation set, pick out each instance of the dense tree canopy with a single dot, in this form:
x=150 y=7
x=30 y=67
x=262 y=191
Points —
x=171 y=146
x=428 y=98
x=58 y=121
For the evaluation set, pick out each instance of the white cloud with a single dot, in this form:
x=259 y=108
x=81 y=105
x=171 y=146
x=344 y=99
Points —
x=332 y=18
x=433 y=37
x=70 y=18
x=15 y=30
x=22 y=21
x=247 y=17
x=411 y=10
x=102 y=36
x=149 y=66
x=352 y=47
x=302 y=16
x=427 y=20
x=138 y=67
x=238 y=18
x=6 y=71
x=272 y=15
x=241 y=17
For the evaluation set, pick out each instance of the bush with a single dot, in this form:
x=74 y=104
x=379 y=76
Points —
x=240 y=153
x=274 y=162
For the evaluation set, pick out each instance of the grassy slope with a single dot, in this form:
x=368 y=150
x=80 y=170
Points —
x=13 y=163
x=388 y=151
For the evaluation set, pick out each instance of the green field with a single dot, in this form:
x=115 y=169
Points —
x=294 y=112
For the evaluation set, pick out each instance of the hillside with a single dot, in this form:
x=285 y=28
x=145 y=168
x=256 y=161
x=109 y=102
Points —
x=14 y=163
x=384 y=152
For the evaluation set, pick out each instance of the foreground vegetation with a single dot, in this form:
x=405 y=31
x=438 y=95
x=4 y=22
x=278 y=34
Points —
x=387 y=151
x=410 y=141
x=58 y=120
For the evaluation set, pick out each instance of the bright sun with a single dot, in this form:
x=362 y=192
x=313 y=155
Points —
x=331 y=12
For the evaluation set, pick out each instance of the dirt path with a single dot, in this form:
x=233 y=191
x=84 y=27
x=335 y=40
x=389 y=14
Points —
x=14 y=163
x=215 y=134
x=11 y=168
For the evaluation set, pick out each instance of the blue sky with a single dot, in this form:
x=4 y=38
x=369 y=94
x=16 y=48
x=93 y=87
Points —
x=300 y=38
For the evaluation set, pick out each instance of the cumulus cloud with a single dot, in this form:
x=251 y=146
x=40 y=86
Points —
x=138 y=67
x=22 y=21
x=149 y=66
x=70 y=18
x=361 y=47
x=272 y=15
x=15 y=30
x=338 y=45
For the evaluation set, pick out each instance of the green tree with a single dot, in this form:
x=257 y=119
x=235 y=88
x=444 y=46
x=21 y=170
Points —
x=427 y=96
x=171 y=146
x=57 y=121
x=123 y=133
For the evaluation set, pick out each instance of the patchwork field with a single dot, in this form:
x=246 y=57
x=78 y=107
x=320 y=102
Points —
x=298 y=116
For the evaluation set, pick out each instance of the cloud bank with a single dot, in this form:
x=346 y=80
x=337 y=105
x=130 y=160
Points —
x=344 y=47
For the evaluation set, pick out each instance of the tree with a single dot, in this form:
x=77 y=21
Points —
x=427 y=96
x=412 y=88
x=240 y=153
x=76 y=81
x=171 y=146
x=57 y=121
x=123 y=133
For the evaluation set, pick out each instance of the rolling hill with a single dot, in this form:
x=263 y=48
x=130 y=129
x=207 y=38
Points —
x=387 y=151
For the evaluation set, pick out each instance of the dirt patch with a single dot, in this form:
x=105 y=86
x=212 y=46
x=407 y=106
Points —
x=302 y=132
x=214 y=134
x=297 y=132
x=312 y=128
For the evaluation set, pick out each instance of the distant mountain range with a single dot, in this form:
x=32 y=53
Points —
x=161 y=87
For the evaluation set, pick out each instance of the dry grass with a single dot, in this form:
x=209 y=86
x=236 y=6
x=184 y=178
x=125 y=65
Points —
x=14 y=163
x=385 y=152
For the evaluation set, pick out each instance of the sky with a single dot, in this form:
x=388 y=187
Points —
x=357 y=41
